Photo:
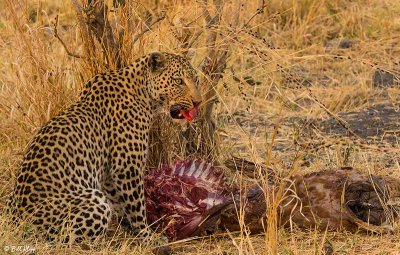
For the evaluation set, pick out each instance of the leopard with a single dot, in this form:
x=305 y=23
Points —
x=87 y=163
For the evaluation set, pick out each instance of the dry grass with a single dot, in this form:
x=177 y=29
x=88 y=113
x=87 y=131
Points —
x=282 y=49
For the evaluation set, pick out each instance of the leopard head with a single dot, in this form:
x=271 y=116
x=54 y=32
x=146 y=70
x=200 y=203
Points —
x=174 y=84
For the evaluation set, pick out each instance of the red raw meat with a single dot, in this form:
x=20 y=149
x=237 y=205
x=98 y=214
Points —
x=181 y=197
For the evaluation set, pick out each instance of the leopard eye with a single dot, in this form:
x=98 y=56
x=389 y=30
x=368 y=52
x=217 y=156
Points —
x=178 y=81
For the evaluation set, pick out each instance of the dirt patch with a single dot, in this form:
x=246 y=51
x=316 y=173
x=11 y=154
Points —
x=375 y=124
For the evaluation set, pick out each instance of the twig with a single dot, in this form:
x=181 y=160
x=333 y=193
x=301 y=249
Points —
x=148 y=28
x=259 y=11
x=56 y=35
x=341 y=121
x=187 y=44
x=194 y=39
x=210 y=21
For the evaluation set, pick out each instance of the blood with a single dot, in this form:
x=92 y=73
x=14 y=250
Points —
x=190 y=114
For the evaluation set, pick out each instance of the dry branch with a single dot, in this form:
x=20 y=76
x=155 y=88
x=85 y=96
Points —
x=98 y=23
x=148 y=27
x=94 y=25
x=212 y=67
x=56 y=35
x=89 y=46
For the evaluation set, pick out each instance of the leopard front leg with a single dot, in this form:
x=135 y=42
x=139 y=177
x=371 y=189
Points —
x=124 y=184
x=129 y=193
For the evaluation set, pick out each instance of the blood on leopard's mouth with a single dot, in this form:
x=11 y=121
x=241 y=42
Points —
x=177 y=112
x=190 y=114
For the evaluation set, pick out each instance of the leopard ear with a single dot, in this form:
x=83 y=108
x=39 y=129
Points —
x=157 y=61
